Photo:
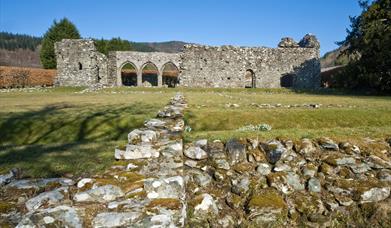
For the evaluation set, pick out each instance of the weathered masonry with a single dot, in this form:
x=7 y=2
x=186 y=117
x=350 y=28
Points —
x=146 y=67
x=290 y=65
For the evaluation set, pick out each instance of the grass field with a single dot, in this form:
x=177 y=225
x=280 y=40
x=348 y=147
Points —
x=61 y=131
x=341 y=117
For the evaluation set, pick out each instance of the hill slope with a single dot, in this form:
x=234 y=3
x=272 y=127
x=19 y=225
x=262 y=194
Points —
x=334 y=58
x=20 y=57
x=169 y=46
x=23 y=50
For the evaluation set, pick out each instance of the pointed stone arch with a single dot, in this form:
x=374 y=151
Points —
x=170 y=74
x=150 y=74
x=140 y=60
x=128 y=71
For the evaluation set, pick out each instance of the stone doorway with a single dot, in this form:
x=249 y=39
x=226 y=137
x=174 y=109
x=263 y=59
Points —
x=250 y=79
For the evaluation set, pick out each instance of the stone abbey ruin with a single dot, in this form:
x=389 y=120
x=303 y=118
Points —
x=290 y=65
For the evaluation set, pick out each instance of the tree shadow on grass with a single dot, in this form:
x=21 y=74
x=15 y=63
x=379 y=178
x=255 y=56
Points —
x=56 y=160
x=69 y=124
x=61 y=139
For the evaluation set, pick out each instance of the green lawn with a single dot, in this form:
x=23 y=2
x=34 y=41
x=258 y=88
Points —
x=59 y=131
x=347 y=117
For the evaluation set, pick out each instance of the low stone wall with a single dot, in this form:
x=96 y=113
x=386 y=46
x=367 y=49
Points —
x=145 y=189
x=282 y=183
x=160 y=182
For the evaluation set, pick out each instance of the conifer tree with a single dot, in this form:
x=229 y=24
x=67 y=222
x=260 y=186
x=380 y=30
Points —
x=64 y=29
x=369 y=46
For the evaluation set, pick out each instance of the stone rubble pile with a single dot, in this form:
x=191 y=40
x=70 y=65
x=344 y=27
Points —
x=288 y=106
x=270 y=106
x=288 y=42
x=157 y=181
x=248 y=183
x=27 y=89
x=309 y=41
x=95 y=87
x=305 y=105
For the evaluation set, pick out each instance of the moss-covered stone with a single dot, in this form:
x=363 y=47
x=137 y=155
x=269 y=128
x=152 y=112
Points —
x=106 y=181
x=257 y=183
x=258 y=155
x=345 y=172
x=169 y=203
x=131 y=176
x=244 y=167
x=234 y=201
x=90 y=211
x=266 y=208
x=307 y=204
x=378 y=149
x=333 y=158
x=267 y=198
x=276 y=177
x=139 y=194
x=195 y=200
x=130 y=186
x=51 y=186
x=6 y=207
x=358 y=186
x=326 y=169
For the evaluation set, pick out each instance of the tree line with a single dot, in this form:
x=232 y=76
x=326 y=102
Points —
x=118 y=44
x=64 y=29
x=10 y=41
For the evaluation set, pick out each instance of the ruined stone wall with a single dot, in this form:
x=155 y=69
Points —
x=102 y=68
x=226 y=66
x=79 y=63
x=290 y=65
x=118 y=59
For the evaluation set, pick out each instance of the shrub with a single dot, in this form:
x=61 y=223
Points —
x=12 y=77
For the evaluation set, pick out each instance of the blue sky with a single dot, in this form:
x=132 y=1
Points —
x=211 y=22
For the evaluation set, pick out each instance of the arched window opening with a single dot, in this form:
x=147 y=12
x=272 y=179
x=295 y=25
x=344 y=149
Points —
x=80 y=66
x=129 y=75
x=250 y=80
x=170 y=75
x=150 y=75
